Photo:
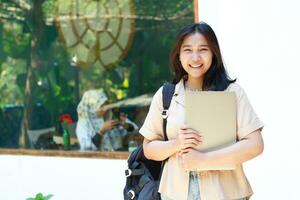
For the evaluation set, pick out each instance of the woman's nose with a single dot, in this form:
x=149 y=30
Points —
x=196 y=56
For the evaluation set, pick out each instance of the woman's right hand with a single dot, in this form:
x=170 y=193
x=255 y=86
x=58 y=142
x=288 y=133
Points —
x=187 y=139
x=109 y=125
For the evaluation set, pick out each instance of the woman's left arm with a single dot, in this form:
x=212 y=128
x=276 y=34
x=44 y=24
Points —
x=247 y=148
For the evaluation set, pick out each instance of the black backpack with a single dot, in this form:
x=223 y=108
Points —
x=143 y=175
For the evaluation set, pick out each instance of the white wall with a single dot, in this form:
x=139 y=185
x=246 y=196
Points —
x=260 y=45
x=66 y=178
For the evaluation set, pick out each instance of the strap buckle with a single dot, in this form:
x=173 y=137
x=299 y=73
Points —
x=131 y=194
x=165 y=114
x=128 y=172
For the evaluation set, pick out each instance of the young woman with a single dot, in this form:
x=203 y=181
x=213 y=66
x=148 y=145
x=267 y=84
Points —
x=196 y=63
x=95 y=129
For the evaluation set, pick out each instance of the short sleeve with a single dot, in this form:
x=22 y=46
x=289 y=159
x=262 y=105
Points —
x=247 y=120
x=152 y=128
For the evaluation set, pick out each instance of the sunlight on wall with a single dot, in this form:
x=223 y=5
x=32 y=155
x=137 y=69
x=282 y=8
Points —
x=259 y=41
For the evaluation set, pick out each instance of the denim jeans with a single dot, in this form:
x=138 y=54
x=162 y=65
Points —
x=194 y=192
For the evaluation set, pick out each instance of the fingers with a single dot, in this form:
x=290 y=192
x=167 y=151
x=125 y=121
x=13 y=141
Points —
x=110 y=124
x=184 y=151
x=188 y=138
x=190 y=133
x=191 y=142
x=187 y=130
x=113 y=123
x=195 y=136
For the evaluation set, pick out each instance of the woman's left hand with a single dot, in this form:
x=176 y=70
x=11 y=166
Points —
x=191 y=159
x=104 y=108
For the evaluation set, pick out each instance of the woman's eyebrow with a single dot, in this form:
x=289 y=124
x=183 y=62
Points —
x=187 y=45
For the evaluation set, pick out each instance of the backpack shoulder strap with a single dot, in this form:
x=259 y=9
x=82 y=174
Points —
x=167 y=94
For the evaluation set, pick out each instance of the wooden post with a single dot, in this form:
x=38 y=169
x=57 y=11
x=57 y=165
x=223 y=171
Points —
x=196 y=11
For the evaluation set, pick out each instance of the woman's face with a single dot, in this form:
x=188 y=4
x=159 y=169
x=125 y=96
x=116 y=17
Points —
x=195 y=56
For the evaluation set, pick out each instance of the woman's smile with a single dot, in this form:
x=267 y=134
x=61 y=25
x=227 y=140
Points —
x=196 y=66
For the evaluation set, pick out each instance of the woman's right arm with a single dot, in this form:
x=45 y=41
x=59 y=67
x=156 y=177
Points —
x=154 y=146
x=161 y=150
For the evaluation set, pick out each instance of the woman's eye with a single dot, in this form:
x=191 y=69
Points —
x=187 y=50
x=203 y=49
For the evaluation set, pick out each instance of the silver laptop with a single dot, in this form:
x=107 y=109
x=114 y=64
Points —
x=213 y=114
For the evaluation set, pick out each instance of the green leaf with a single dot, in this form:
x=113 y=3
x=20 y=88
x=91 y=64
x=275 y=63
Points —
x=57 y=90
x=48 y=196
x=39 y=196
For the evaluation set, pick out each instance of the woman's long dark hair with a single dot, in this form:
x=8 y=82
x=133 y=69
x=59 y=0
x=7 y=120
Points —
x=216 y=78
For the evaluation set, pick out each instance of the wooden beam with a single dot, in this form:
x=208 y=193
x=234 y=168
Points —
x=61 y=153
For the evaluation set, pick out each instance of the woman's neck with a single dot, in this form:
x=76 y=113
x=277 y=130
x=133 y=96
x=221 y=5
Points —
x=194 y=84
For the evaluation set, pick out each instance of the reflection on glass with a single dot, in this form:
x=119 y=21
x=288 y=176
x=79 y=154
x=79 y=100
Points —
x=53 y=53
x=100 y=125
x=132 y=145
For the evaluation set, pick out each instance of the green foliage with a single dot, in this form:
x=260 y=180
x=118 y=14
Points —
x=49 y=8
x=13 y=77
x=55 y=82
x=167 y=15
x=144 y=69
x=40 y=196
x=149 y=55
x=13 y=69
x=110 y=80
x=15 y=42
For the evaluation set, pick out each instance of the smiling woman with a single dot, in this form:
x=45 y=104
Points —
x=66 y=48
x=191 y=172
x=196 y=58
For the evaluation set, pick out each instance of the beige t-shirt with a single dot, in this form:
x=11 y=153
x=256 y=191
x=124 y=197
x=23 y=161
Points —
x=214 y=185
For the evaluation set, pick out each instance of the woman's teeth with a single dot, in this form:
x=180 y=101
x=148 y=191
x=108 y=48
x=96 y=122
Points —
x=195 y=66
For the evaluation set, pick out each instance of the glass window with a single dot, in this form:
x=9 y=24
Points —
x=80 y=74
